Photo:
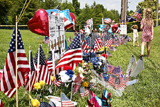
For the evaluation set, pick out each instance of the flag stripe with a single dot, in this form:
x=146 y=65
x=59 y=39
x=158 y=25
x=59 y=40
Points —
x=10 y=93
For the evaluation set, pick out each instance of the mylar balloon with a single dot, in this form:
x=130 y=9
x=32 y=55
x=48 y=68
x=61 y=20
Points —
x=110 y=30
x=52 y=10
x=39 y=23
x=71 y=25
x=107 y=20
x=106 y=27
x=114 y=27
x=101 y=27
x=118 y=30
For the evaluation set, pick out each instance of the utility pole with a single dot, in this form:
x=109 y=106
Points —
x=157 y=13
x=125 y=9
x=122 y=8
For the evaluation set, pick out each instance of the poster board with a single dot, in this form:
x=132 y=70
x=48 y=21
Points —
x=57 y=34
x=123 y=29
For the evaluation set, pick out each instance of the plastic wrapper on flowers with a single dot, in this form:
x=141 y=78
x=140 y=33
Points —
x=84 y=69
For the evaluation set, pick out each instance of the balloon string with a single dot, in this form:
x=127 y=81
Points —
x=23 y=11
x=23 y=8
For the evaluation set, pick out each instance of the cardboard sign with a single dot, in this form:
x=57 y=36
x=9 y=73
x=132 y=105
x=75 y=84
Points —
x=123 y=29
x=57 y=34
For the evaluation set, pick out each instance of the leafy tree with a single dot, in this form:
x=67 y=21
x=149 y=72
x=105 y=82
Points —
x=83 y=16
x=130 y=13
x=49 y=4
x=76 y=6
x=115 y=15
x=67 y=5
x=99 y=9
x=149 y=4
x=5 y=5
x=109 y=14
x=28 y=13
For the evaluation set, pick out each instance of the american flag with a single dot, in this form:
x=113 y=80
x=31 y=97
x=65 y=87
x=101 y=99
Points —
x=110 y=68
x=8 y=80
x=108 y=53
x=87 y=45
x=121 y=39
x=58 y=83
x=50 y=62
x=125 y=39
x=1 y=103
x=122 y=84
x=138 y=15
x=84 y=92
x=42 y=69
x=83 y=43
x=66 y=102
x=111 y=80
x=31 y=79
x=73 y=55
x=81 y=31
x=108 y=43
x=130 y=19
x=98 y=43
x=76 y=83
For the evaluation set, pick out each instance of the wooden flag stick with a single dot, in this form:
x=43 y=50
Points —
x=29 y=72
x=16 y=68
x=38 y=63
x=47 y=50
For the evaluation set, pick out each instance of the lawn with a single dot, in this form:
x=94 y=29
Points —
x=143 y=94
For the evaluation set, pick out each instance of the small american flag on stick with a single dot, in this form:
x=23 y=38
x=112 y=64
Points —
x=138 y=15
x=84 y=92
x=73 y=55
x=8 y=80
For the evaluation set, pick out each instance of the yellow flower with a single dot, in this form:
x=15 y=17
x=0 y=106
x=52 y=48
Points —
x=37 y=86
x=35 y=103
x=85 y=84
x=42 y=83
x=52 y=78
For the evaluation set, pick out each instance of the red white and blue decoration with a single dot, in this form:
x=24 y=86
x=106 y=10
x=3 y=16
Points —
x=107 y=20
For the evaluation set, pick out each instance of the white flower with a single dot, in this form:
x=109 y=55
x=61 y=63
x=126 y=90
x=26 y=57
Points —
x=81 y=75
x=80 y=70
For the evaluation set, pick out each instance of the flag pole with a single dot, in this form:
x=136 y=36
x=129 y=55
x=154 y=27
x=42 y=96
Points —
x=38 y=63
x=16 y=68
x=47 y=50
x=30 y=71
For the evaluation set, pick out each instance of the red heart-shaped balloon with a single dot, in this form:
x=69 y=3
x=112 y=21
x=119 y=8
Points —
x=39 y=23
x=71 y=25
x=114 y=27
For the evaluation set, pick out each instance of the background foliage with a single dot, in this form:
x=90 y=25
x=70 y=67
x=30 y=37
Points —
x=10 y=8
x=143 y=94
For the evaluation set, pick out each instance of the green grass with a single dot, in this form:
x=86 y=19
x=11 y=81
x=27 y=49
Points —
x=143 y=94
